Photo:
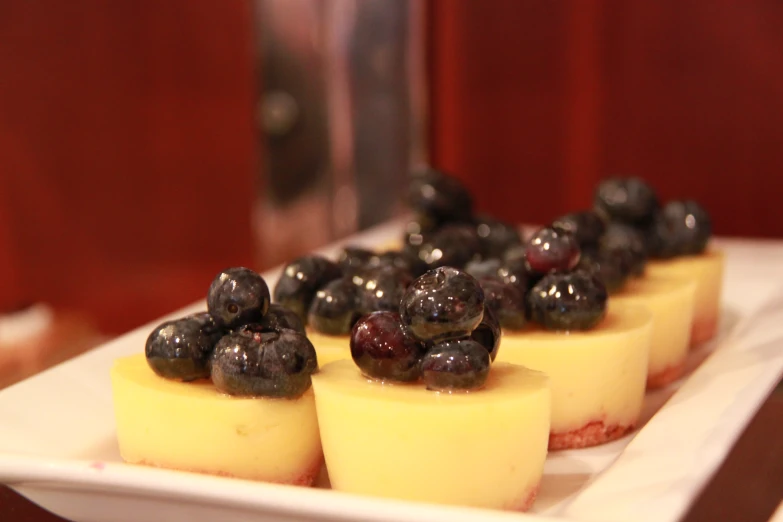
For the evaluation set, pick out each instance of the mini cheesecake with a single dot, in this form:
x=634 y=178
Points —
x=329 y=347
x=597 y=376
x=481 y=448
x=671 y=302
x=707 y=270
x=191 y=426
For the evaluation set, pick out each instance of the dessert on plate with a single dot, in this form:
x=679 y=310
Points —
x=225 y=392
x=421 y=413
x=677 y=241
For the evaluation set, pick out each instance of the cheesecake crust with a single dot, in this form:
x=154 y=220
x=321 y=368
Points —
x=704 y=329
x=666 y=376
x=591 y=434
x=306 y=478
x=526 y=500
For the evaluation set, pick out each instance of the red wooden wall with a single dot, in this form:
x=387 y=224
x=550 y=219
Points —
x=534 y=101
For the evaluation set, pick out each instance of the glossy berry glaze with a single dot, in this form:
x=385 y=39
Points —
x=300 y=281
x=180 y=349
x=550 y=250
x=572 y=301
x=237 y=296
x=383 y=348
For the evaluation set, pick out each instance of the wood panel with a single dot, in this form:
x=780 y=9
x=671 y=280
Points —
x=533 y=102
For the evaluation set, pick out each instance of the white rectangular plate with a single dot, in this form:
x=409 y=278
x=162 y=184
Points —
x=58 y=447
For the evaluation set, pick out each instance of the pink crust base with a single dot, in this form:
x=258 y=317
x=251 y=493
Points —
x=704 y=329
x=592 y=434
x=526 y=500
x=305 y=479
x=666 y=376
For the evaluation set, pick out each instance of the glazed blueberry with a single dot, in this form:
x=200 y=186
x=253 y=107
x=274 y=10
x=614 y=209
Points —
x=440 y=197
x=400 y=259
x=270 y=364
x=452 y=245
x=586 y=226
x=444 y=303
x=278 y=317
x=573 y=301
x=609 y=267
x=628 y=200
x=381 y=289
x=383 y=348
x=551 y=250
x=628 y=244
x=496 y=237
x=488 y=333
x=484 y=267
x=458 y=364
x=333 y=309
x=353 y=259
x=237 y=296
x=506 y=302
x=300 y=280
x=181 y=349
x=681 y=228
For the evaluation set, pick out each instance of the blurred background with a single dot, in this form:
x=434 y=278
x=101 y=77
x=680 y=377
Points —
x=146 y=145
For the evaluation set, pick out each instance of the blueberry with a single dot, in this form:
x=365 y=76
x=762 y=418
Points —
x=272 y=364
x=353 y=259
x=681 y=228
x=609 y=267
x=300 y=280
x=627 y=243
x=484 y=267
x=381 y=289
x=458 y=364
x=383 y=348
x=452 y=245
x=573 y=301
x=586 y=226
x=333 y=310
x=496 y=236
x=506 y=302
x=278 y=317
x=401 y=259
x=440 y=197
x=237 y=296
x=628 y=200
x=488 y=333
x=551 y=250
x=180 y=349
x=442 y=304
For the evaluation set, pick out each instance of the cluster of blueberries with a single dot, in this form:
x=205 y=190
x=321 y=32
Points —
x=432 y=310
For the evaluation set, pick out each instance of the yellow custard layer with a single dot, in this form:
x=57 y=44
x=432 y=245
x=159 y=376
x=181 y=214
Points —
x=707 y=270
x=330 y=348
x=671 y=302
x=194 y=427
x=484 y=448
x=597 y=375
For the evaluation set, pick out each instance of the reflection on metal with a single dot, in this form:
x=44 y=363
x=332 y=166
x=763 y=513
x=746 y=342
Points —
x=341 y=117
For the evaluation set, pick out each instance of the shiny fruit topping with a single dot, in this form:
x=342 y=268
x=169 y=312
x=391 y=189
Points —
x=681 y=228
x=269 y=364
x=586 y=226
x=573 y=301
x=278 y=317
x=483 y=267
x=180 y=349
x=381 y=289
x=457 y=364
x=452 y=245
x=237 y=296
x=609 y=267
x=440 y=197
x=301 y=279
x=628 y=200
x=495 y=236
x=488 y=333
x=382 y=348
x=551 y=250
x=506 y=302
x=628 y=244
x=333 y=309
x=444 y=303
